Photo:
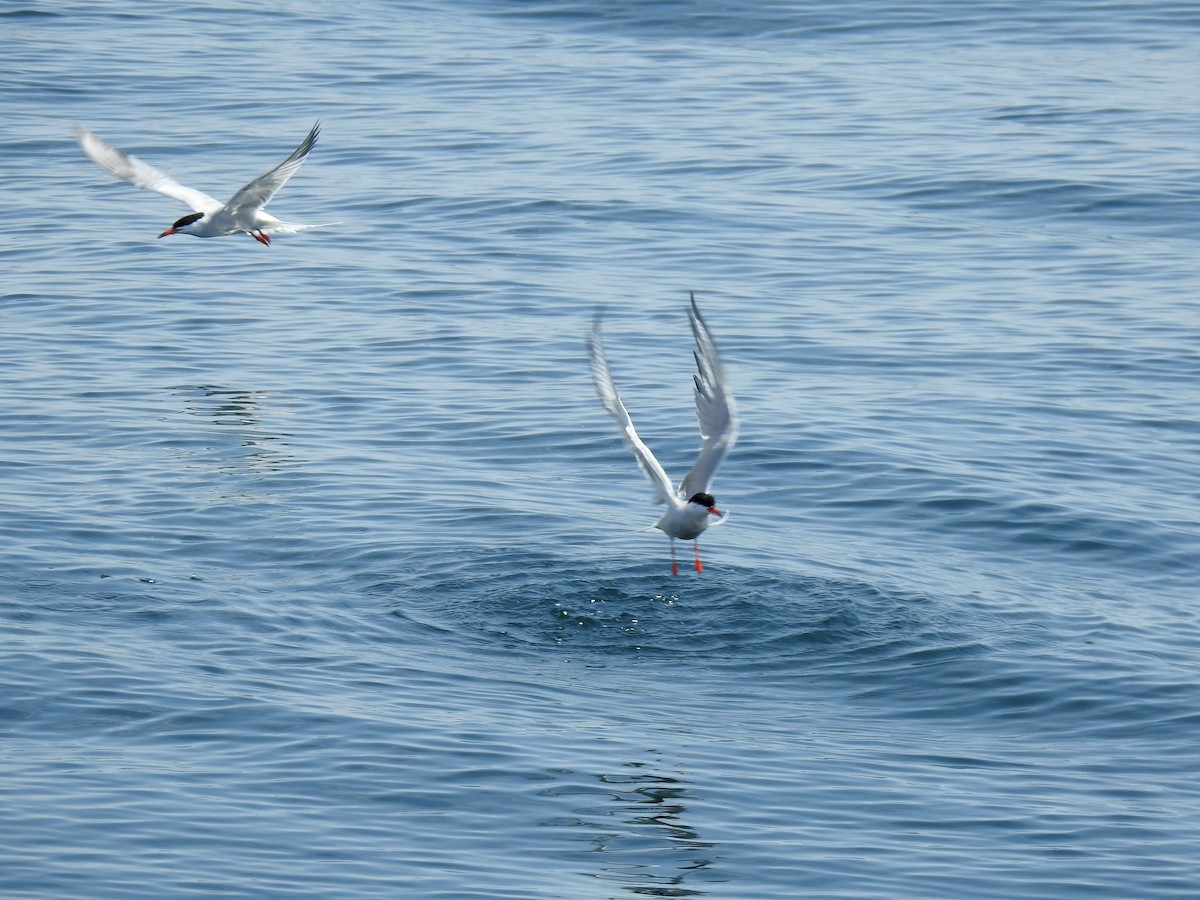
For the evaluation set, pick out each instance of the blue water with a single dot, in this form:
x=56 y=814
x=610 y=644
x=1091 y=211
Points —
x=322 y=571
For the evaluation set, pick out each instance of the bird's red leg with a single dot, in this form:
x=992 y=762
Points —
x=262 y=237
x=674 y=565
x=696 y=545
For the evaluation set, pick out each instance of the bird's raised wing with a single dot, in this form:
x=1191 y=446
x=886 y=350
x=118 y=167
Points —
x=715 y=410
x=663 y=490
x=257 y=193
x=140 y=174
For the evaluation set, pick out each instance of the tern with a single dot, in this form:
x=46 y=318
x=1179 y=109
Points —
x=690 y=508
x=210 y=217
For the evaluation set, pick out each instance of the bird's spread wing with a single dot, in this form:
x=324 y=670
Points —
x=715 y=409
x=663 y=490
x=275 y=226
x=140 y=174
x=259 y=192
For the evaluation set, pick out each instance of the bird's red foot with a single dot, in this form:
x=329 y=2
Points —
x=699 y=567
x=262 y=237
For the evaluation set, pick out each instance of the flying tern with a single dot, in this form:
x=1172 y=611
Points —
x=690 y=508
x=210 y=217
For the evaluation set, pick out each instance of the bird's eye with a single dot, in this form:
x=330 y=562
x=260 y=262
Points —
x=188 y=219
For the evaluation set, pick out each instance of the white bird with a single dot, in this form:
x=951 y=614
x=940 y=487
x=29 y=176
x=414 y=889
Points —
x=689 y=507
x=210 y=217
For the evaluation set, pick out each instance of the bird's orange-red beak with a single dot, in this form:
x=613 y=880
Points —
x=714 y=510
x=169 y=231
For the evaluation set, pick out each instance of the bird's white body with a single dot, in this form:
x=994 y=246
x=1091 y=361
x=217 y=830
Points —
x=244 y=211
x=686 y=521
x=690 y=507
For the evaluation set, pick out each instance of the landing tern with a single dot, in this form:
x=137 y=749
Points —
x=690 y=507
x=210 y=217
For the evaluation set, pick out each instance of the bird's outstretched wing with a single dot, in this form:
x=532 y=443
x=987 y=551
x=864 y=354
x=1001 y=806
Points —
x=257 y=193
x=275 y=226
x=663 y=489
x=715 y=410
x=139 y=174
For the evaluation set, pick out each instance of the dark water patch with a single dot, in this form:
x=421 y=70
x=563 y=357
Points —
x=861 y=20
x=29 y=14
x=721 y=618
